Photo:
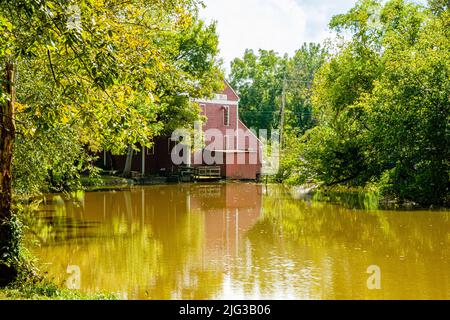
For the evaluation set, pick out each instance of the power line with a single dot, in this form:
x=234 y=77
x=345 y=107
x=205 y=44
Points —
x=301 y=81
x=275 y=112
x=283 y=105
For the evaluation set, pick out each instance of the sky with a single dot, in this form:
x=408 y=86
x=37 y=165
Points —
x=280 y=25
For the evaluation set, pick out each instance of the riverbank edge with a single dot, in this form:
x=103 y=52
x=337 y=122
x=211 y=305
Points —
x=107 y=182
x=119 y=183
x=385 y=202
x=48 y=290
x=38 y=287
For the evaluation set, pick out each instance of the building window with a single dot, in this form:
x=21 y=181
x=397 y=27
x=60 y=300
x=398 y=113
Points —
x=227 y=143
x=169 y=145
x=203 y=107
x=226 y=116
x=150 y=151
x=223 y=97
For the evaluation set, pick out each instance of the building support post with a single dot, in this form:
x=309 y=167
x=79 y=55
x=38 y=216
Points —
x=143 y=162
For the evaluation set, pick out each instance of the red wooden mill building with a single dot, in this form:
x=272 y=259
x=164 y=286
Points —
x=239 y=153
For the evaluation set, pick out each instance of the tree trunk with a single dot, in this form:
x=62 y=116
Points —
x=7 y=136
x=127 y=170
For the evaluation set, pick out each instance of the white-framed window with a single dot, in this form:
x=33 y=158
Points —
x=226 y=116
x=221 y=97
x=203 y=107
x=228 y=141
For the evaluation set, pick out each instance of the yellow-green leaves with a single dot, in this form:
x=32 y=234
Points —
x=106 y=74
x=382 y=102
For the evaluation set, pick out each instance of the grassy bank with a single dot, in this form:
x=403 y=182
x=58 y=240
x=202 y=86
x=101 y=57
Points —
x=105 y=182
x=31 y=283
x=108 y=182
x=47 y=291
x=368 y=198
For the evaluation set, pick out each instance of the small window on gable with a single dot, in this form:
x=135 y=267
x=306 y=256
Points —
x=226 y=116
x=222 y=97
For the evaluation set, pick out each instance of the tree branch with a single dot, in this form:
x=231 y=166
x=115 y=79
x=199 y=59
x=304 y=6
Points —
x=51 y=66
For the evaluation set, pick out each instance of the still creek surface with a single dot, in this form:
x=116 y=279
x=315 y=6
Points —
x=241 y=241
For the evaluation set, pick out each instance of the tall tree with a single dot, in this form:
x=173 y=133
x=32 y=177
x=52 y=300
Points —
x=382 y=104
x=302 y=68
x=7 y=135
x=100 y=75
x=258 y=79
x=262 y=79
x=277 y=91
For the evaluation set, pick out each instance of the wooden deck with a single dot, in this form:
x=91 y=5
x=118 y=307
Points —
x=202 y=173
x=207 y=172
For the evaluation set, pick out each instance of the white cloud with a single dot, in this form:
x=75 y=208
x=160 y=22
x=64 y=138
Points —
x=280 y=25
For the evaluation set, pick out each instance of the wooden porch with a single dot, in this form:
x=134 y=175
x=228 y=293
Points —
x=202 y=173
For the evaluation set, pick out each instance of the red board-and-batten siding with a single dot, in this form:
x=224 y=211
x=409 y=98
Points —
x=160 y=159
x=244 y=145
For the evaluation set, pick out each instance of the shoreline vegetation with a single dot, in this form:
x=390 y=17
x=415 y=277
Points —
x=364 y=120
x=300 y=191
x=47 y=290
x=37 y=287
x=371 y=112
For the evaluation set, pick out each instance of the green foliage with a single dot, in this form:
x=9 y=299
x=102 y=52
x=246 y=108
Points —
x=55 y=165
x=259 y=81
x=259 y=78
x=301 y=70
x=11 y=245
x=383 y=104
x=15 y=262
x=95 y=75
x=46 y=290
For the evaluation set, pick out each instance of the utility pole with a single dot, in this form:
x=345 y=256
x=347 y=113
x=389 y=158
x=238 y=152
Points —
x=282 y=111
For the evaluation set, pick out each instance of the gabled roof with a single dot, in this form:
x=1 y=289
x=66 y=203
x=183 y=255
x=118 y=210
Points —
x=227 y=84
x=228 y=91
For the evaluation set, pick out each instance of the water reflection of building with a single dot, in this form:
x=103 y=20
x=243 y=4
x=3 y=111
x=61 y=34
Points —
x=212 y=242
x=229 y=210
x=159 y=242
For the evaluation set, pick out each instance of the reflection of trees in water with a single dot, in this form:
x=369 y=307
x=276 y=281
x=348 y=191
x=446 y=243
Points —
x=151 y=242
x=394 y=232
x=321 y=250
x=53 y=220
x=144 y=244
x=351 y=200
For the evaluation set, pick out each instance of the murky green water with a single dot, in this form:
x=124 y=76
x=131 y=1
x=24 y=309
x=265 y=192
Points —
x=233 y=241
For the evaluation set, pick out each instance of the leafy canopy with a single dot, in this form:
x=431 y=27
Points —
x=102 y=74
